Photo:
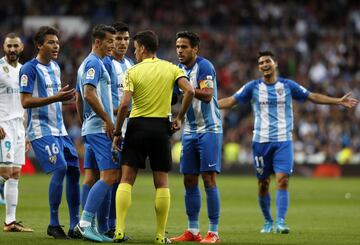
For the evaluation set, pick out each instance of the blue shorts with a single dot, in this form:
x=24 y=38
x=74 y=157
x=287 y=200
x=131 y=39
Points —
x=98 y=153
x=55 y=152
x=201 y=153
x=273 y=157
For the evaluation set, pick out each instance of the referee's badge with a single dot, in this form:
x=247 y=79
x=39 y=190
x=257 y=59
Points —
x=6 y=69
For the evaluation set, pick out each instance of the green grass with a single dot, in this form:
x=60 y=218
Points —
x=319 y=212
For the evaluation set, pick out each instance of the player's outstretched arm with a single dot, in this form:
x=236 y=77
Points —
x=227 y=103
x=345 y=101
x=28 y=101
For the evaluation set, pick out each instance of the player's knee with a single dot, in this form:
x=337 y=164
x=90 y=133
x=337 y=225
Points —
x=264 y=186
x=209 y=180
x=15 y=175
x=283 y=182
x=191 y=180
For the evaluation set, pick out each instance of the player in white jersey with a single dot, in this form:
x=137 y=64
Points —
x=41 y=95
x=201 y=140
x=116 y=64
x=95 y=110
x=271 y=99
x=12 y=131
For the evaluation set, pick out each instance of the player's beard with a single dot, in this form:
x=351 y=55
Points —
x=12 y=57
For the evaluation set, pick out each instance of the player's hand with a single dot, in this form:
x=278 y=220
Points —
x=66 y=93
x=109 y=129
x=176 y=125
x=117 y=143
x=27 y=145
x=348 y=101
x=2 y=133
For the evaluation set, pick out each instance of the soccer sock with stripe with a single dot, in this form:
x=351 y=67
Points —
x=282 y=204
x=265 y=203
x=162 y=206
x=11 y=193
x=96 y=196
x=213 y=207
x=103 y=213
x=192 y=205
x=73 y=195
x=112 y=214
x=84 y=194
x=55 y=193
x=123 y=202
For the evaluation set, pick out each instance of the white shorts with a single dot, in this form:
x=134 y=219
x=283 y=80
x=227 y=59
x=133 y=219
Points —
x=12 y=147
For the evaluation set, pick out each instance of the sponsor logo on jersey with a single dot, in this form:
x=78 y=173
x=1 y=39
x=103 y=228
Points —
x=24 y=80
x=90 y=74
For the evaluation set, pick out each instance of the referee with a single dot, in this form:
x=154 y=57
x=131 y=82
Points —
x=150 y=84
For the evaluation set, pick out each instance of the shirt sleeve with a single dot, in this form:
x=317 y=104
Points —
x=92 y=72
x=298 y=92
x=207 y=75
x=128 y=82
x=27 y=77
x=244 y=94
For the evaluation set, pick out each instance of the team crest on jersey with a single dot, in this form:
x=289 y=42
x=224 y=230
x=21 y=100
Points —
x=280 y=91
x=90 y=74
x=52 y=159
x=6 y=69
x=8 y=156
x=24 y=80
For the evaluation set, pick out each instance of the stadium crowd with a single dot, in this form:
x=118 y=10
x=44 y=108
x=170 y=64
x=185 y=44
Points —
x=316 y=43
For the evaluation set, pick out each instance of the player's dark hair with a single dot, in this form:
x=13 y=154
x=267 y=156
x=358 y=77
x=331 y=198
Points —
x=266 y=53
x=12 y=35
x=99 y=32
x=192 y=36
x=121 y=26
x=148 y=39
x=39 y=36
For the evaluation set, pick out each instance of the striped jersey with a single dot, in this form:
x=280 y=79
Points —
x=116 y=70
x=10 y=104
x=93 y=72
x=42 y=80
x=272 y=106
x=202 y=117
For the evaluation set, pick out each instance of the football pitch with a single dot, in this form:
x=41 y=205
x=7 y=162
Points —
x=322 y=211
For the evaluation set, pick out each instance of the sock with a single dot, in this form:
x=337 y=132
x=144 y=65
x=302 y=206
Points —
x=112 y=213
x=264 y=203
x=86 y=219
x=123 y=202
x=55 y=193
x=84 y=194
x=282 y=204
x=73 y=195
x=103 y=213
x=96 y=196
x=192 y=205
x=162 y=206
x=11 y=193
x=213 y=207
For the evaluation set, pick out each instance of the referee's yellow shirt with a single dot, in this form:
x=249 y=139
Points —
x=152 y=82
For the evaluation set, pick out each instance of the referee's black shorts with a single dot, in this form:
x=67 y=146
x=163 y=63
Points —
x=147 y=137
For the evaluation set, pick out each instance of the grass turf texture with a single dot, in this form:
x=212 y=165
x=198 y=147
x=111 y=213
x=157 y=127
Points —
x=321 y=212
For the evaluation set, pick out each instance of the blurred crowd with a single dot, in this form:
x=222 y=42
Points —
x=317 y=44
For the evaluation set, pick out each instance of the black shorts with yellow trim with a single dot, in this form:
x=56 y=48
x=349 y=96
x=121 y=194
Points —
x=147 y=137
